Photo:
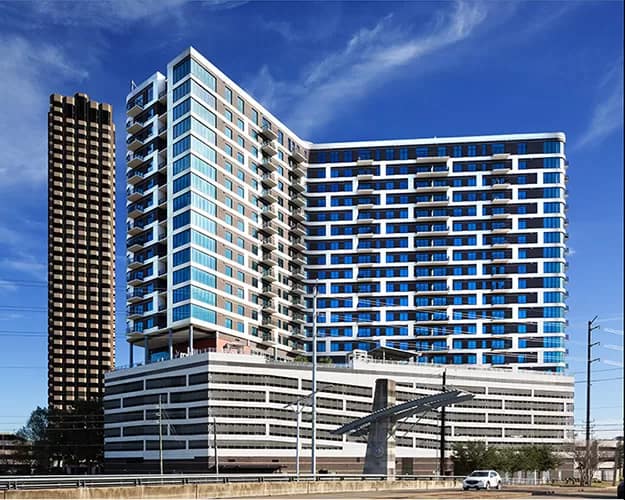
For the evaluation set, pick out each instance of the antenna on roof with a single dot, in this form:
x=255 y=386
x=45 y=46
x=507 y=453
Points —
x=133 y=85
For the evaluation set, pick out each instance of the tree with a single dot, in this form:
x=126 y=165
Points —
x=77 y=435
x=586 y=461
x=472 y=455
x=36 y=449
x=541 y=457
x=71 y=438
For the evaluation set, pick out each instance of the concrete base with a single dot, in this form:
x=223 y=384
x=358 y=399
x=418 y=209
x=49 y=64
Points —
x=257 y=489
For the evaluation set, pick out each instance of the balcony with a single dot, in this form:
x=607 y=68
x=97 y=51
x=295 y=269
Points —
x=298 y=200
x=135 y=107
x=298 y=186
x=137 y=278
x=500 y=244
x=269 y=259
x=269 y=307
x=500 y=201
x=431 y=189
x=501 y=167
x=298 y=157
x=435 y=202
x=134 y=263
x=268 y=134
x=501 y=185
x=298 y=214
x=501 y=230
x=298 y=304
x=269 y=243
x=134 y=296
x=298 y=318
x=269 y=165
x=299 y=260
x=501 y=156
x=136 y=141
x=269 y=276
x=268 y=196
x=162 y=96
x=269 y=148
x=298 y=274
x=500 y=215
x=134 y=159
x=298 y=289
x=298 y=244
x=268 y=324
x=136 y=209
x=269 y=180
x=297 y=331
x=269 y=212
x=134 y=228
x=269 y=291
x=298 y=170
x=269 y=228
x=432 y=173
x=298 y=229
x=134 y=194
x=134 y=126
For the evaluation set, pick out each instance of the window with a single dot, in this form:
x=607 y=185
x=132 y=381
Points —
x=240 y=105
x=498 y=149
x=551 y=177
x=228 y=95
x=551 y=147
x=521 y=148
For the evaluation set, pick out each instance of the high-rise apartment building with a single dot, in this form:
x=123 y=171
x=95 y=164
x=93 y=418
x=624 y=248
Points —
x=452 y=248
x=81 y=248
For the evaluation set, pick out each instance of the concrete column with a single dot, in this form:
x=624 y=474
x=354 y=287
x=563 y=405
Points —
x=380 y=456
x=170 y=343
x=190 y=339
x=146 y=349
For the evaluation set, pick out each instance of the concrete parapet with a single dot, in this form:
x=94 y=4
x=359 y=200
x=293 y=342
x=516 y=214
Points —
x=225 y=490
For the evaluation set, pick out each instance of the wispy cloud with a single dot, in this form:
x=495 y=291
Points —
x=114 y=15
x=27 y=68
x=367 y=60
x=607 y=115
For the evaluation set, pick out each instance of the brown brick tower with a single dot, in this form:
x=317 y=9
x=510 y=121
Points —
x=81 y=248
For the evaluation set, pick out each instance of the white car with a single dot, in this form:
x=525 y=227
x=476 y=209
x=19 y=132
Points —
x=482 y=479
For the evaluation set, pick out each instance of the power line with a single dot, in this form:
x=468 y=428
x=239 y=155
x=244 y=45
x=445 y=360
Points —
x=592 y=381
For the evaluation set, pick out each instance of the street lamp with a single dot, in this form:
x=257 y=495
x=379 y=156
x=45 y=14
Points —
x=298 y=410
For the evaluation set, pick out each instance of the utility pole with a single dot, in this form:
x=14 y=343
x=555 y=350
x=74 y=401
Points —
x=589 y=362
x=160 y=433
x=441 y=466
x=313 y=441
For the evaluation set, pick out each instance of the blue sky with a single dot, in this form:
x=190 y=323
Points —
x=332 y=72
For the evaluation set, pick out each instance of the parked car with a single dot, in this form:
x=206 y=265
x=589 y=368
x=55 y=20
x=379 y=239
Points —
x=482 y=479
x=620 y=489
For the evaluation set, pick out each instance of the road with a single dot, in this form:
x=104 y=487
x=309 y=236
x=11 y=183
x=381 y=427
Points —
x=517 y=493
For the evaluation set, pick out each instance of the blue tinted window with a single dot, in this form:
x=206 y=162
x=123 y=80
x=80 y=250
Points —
x=181 y=69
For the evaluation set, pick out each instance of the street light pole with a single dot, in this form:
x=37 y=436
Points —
x=589 y=361
x=313 y=443
x=441 y=466
x=299 y=417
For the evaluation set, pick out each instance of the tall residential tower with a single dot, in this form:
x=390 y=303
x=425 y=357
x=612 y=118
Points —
x=451 y=248
x=81 y=248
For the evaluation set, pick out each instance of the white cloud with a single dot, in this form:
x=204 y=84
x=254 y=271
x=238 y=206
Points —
x=607 y=115
x=369 y=57
x=27 y=67
x=113 y=15
x=25 y=265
